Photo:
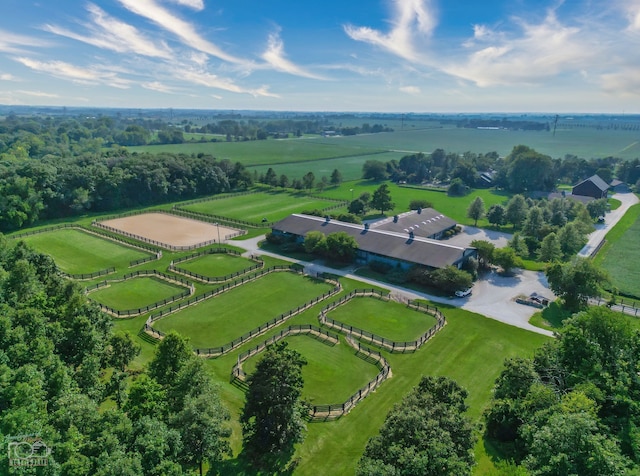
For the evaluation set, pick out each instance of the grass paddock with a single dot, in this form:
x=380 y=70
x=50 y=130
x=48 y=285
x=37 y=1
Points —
x=216 y=265
x=77 y=252
x=135 y=293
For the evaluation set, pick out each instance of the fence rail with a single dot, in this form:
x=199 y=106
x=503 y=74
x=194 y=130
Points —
x=388 y=344
x=143 y=310
x=213 y=352
x=213 y=279
x=88 y=276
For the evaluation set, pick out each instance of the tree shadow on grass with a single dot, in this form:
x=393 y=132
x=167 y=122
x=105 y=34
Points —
x=279 y=464
x=551 y=317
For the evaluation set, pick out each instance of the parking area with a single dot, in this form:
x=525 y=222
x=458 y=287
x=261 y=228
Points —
x=470 y=233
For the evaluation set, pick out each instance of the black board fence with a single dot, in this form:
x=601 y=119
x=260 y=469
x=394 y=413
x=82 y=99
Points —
x=213 y=352
x=88 y=276
x=214 y=279
x=143 y=310
x=388 y=344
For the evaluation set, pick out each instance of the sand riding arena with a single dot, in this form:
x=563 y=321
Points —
x=169 y=231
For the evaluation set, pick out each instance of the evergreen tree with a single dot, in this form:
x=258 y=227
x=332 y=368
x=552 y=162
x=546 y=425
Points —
x=381 y=199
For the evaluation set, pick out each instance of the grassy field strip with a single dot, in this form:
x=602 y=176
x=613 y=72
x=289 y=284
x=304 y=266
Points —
x=255 y=207
x=220 y=320
x=78 y=252
x=216 y=265
x=620 y=255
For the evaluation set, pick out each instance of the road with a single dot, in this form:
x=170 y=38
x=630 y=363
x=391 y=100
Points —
x=627 y=199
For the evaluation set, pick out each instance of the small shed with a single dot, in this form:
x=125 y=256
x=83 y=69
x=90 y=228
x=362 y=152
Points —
x=594 y=187
x=618 y=186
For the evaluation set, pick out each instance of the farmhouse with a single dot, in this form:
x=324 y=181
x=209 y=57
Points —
x=403 y=249
x=594 y=187
x=425 y=223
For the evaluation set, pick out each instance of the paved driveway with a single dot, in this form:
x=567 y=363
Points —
x=470 y=233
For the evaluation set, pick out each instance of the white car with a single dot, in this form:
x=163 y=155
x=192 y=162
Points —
x=463 y=293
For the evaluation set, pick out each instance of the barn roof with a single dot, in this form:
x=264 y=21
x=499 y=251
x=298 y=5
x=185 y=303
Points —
x=400 y=246
x=425 y=223
x=597 y=181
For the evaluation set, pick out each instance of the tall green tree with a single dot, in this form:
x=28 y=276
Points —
x=381 y=199
x=550 y=249
x=497 y=215
x=426 y=434
x=516 y=211
x=476 y=210
x=273 y=415
x=507 y=259
x=336 y=177
x=341 y=246
x=577 y=281
x=172 y=354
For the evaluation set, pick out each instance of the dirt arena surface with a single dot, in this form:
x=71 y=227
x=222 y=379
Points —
x=169 y=229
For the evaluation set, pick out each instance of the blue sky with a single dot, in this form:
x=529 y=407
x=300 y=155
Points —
x=349 y=55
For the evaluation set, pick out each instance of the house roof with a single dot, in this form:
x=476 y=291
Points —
x=425 y=223
x=399 y=246
x=597 y=181
x=616 y=182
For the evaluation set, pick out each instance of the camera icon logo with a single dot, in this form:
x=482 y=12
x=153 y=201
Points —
x=27 y=451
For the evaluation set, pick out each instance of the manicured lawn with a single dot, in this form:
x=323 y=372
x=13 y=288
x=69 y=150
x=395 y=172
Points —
x=390 y=320
x=333 y=372
x=217 y=265
x=254 y=207
x=621 y=254
x=219 y=320
x=77 y=252
x=135 y=293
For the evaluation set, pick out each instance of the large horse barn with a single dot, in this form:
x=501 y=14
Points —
x=405 y=240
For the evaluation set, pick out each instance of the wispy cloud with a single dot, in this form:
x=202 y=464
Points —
x=7 y=77
x=541 y=51
x=39 y=94
x=195 y=4
x=275 y=56
x=414 y=19
x=150 y=10
x=15 y=44
x=415 y=90
x=157 y=86
x=61 y=69
x=110 y=33
x=210 y=80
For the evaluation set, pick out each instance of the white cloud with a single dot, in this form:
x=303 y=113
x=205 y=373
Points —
x=209 y=80
x=275 y=56
x=543 y=50
x=633 y=15
x=112 y=34
x=622 y=83
x=157 y=86
x=195 y=4
x=413 y=19
x=39 y=94
x=415 y=90
x=7 y=77
x=185 y=31
x=61 y=69
x=12 y=43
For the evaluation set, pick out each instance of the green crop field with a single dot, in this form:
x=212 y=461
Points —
x=265 y=152
x=219 y=320
x=217 y=265
x=333 y=372
x=254 y=207
x=391 y=320
x=77 y=252
x=135 y=293
x=350 y=167
x=621 y=254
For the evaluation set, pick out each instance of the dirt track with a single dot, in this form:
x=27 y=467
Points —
x=170 y=229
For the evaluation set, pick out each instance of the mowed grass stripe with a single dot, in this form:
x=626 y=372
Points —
x=390 y=320
x=256 y=206
x=620 y=257
x=77 y=252
x=332 y=374
x=135 y=293
x=221 y=319
x=216 y=265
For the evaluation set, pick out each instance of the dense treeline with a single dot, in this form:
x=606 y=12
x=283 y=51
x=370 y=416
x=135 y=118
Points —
x=573 y=408
x=57 y=187
x=64 y=379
